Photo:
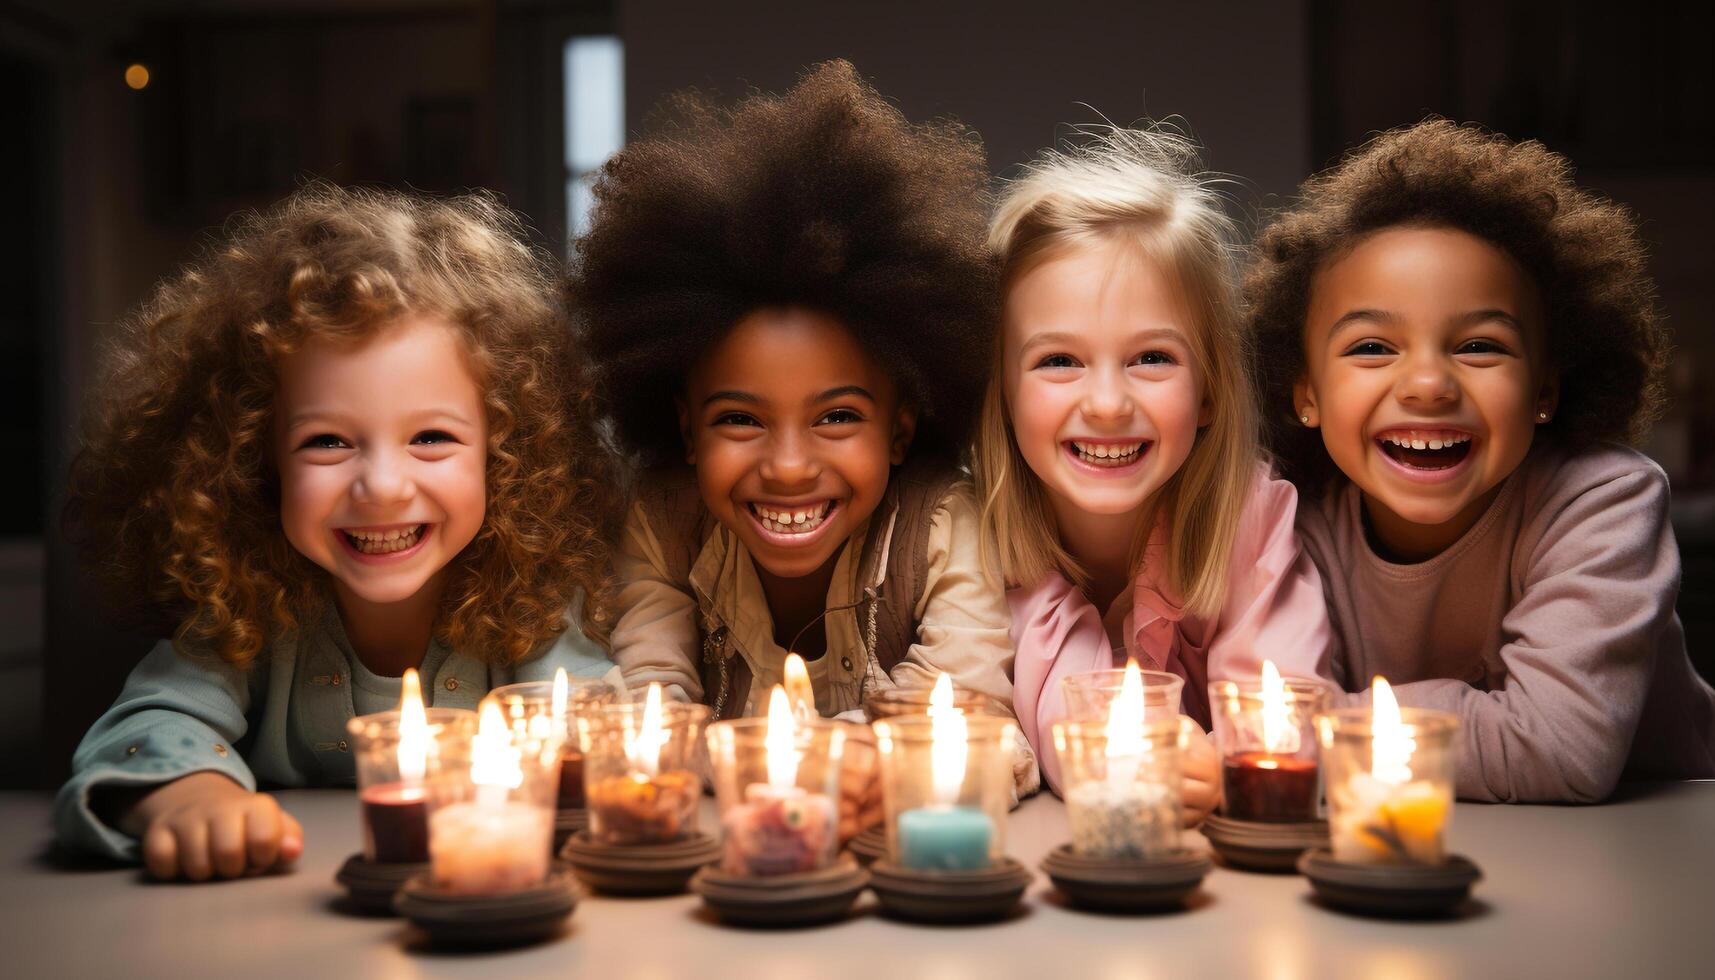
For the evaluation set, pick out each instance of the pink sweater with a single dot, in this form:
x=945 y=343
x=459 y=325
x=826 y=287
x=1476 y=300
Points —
x=1274 y=609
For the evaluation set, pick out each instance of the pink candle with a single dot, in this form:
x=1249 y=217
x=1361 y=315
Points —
x=488 y=847
x=779 y=831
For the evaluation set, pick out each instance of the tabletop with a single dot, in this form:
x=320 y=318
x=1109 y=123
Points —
x=1621 y=889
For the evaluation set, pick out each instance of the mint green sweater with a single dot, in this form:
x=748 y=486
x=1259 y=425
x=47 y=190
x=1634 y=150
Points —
x=282 y=722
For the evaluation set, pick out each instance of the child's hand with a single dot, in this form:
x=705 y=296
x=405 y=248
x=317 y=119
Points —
x=1201 y=771
x=204 y=826
x=860 y=783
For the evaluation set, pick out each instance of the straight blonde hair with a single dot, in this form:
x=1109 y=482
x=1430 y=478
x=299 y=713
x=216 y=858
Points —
x=1143 y=189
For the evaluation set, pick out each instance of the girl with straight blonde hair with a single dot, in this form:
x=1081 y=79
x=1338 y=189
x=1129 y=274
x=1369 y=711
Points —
x=1124 y=491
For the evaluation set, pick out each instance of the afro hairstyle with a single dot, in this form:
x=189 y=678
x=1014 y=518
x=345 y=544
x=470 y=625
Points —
x=826 y=198
x=1603 y=332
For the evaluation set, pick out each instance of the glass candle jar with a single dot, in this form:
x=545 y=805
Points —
x=1122 y=792
x=492 y=823
x=779 y=793
x=641 y=764
x=531 y=704
x=1090 y=695
x=1267 y=738
x=393 y=799
x=946 y=783
x=1390 y=789
x=895 y=702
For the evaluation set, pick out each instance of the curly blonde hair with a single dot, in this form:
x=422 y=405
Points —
x=174 y=500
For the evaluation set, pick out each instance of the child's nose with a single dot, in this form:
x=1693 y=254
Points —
x=790 y=461
x=383 y=480
x=1105 y=395
x=1428 y=380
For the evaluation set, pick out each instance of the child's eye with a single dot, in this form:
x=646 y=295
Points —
x=1058 y=361
x=1155 y=357
x=325 y=440
x=839 y=416
x=432 y=437
x=735 y=418
x=1481 y=347
x=1368 y=348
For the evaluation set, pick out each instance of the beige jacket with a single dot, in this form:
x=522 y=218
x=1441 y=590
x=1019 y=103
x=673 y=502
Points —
x=680 y=600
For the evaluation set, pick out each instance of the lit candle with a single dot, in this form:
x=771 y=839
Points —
x=648 y=805
x=1385 y=815
x=1122 y=815
x=395 y=814
x=571 y=791
x=800 y=693
x=491 y=844
x=1272 y=785
x=945 y=836
x=780 y=828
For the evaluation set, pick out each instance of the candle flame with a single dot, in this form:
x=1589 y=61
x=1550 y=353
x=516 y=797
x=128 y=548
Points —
x=494 y=760
x=645 y=748
x=800 y=693
x=948 y=749
x=779 y=741
x=1391 y=744
x=559 y=700
x=1279 y=735
x=413 y=731
x=1125 y=727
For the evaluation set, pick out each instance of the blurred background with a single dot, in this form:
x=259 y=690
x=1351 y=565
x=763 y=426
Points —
x=132 y=130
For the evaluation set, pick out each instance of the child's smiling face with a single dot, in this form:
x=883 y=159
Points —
x=1100 y=379
x=1426 y=375
x=381 y=449
x=792 y=428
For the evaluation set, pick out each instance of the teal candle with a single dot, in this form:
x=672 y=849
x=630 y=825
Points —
x=945 y=838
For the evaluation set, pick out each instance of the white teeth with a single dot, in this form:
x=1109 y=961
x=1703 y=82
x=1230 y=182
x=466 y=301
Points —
x=797 y=521
x=385 y=542
x=1107 y=454
x=1425 y=439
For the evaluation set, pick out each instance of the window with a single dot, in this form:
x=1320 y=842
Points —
x=595 y=119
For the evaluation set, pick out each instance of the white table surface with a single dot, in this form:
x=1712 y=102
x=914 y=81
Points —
x=1626 y=889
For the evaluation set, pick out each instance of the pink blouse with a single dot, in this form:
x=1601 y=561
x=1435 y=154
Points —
x=1274 y=609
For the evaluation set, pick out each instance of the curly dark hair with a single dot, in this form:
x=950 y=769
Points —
x=825 y=197
x=174 y=499
x=1584 y=253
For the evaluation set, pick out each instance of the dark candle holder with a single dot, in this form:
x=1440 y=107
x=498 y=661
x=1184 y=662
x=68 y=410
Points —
x=509 y=919
x=782 y=901
x=1257 y=846
x=639 y=869
x=1390 y=890
x=983 y=895
x=1127 y=885
x=566 y=823
x=870 y=845
x=370 y=885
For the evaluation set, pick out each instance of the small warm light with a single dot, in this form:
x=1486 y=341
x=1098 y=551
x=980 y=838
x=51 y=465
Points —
x=559 y=701
x=1279 y=734
x=1124 y=733
x=645 y=749
x=413 y=731
x=494 y=762
x=947 y=736
x=137 y=77
x=1391 y=744
x=779 y=742
x=799 y=691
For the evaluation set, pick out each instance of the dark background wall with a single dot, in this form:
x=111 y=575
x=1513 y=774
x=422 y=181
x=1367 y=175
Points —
x=113 y=188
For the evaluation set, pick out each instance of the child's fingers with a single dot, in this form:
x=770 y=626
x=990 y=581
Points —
x=161 y=851
x=226 y=846
x=1198 y=797
x=192 y=834
x=263 y=829
x=291 y=839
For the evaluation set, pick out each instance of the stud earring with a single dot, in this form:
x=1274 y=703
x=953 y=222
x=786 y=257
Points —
x=1304 y=419
x=1542 y=416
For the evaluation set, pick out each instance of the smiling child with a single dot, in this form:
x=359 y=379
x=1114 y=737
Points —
x=1453 y=340
x=788 y=298
x=352 y=440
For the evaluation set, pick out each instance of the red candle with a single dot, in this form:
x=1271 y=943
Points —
x=1269 y=788
x=571 y=780
x=395 y=824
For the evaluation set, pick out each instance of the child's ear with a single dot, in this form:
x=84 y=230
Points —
x=1304 y=401
x=1205 y=411
x=685 y=429
x=904 y=428
x=1548 y=397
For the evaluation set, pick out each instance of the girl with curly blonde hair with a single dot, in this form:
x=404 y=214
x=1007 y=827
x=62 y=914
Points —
x=353 y=439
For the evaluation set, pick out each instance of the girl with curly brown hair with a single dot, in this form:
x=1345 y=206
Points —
x=792 y=308
x=1452 y=340
x=352 y=440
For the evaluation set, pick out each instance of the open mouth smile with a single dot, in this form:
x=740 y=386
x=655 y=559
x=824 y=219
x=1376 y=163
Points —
x=794 y=525
x=1108 y=454
x=1425 y=451
x=384 y=543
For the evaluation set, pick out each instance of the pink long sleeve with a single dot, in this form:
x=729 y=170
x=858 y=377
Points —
x=1055 y=632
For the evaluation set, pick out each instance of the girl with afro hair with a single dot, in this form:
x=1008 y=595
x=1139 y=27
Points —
x=791 y=306
x=354 y=439
x=1453 y=343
